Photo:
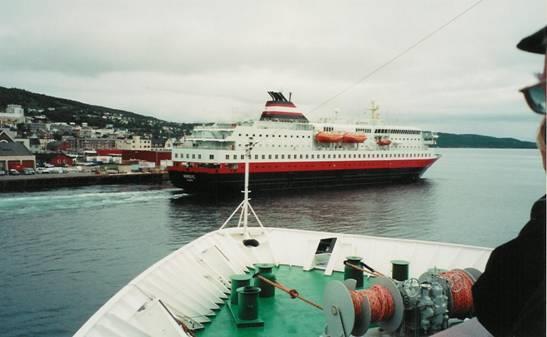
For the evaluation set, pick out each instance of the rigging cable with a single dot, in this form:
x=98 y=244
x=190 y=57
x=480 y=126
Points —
x=393 y=59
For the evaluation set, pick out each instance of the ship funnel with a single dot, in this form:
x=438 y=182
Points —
x=281 y=109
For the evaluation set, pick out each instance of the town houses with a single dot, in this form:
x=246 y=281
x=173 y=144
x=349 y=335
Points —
x=34 y=140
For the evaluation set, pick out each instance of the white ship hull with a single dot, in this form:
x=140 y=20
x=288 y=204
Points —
x=193 y=282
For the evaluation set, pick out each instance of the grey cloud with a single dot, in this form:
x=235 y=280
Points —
x=213 y=60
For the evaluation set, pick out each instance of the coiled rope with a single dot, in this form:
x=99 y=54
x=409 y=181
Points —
x=460 y=284
x=381 y=303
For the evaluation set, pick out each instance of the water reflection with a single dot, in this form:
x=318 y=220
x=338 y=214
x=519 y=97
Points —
x=394 y=210
x=192 y=216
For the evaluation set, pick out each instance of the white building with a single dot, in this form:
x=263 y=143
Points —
x=14 y=114
x=170 y=143
x=134 y=143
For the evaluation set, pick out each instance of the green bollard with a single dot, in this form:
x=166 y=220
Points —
x=238 y=281
x=399 y=270
x=350 y=272
x=248 y=303
x=265 y=270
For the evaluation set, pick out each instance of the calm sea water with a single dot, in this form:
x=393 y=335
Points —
x=63 y=253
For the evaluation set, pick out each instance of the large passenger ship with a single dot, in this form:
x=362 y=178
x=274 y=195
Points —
x=290 y=152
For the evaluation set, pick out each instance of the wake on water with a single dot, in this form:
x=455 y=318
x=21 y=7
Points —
x=17 y=204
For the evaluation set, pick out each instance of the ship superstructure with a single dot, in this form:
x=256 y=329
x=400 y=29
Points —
x=291 y=152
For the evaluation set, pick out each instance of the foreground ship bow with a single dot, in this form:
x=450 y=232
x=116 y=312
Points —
x=293 y=153
x=259 y=281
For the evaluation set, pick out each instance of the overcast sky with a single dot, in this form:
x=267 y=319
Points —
x=193 y=61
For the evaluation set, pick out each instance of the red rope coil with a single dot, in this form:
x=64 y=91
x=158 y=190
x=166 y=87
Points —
x=460 y=284
x=381 y=302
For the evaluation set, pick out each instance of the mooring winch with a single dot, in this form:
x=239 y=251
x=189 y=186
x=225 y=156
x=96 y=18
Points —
x=415 y=307
x=397 y=305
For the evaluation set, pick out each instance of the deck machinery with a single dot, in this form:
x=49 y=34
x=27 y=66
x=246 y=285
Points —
x=392 y=306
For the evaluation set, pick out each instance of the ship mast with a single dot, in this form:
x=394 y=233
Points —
x=374 y=114
x=245 y=205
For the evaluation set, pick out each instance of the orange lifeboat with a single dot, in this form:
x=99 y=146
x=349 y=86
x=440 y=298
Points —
x=354 y=137
x=383 y=142
x=328 y=137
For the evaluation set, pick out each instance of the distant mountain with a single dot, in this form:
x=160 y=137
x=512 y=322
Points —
x=477 y=141
x=64 y=110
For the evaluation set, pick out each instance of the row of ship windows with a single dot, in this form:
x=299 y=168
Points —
x=285 y=145
x=404 y=132
x=273 y=136
x=319 y=156
x=331 y=128
x=379 y=131
x=193 y=156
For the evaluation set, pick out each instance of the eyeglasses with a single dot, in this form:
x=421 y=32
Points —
x=535 y=97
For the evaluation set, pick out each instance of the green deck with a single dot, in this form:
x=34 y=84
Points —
x=282 y=315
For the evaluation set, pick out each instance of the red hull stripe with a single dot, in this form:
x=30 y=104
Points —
x=306 y=166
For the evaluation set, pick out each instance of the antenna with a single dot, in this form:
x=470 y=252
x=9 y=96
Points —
x=374 y=114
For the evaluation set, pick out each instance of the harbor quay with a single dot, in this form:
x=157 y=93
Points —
x=39 y=182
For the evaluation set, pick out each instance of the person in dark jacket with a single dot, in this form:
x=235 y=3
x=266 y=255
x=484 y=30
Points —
x=509 y=297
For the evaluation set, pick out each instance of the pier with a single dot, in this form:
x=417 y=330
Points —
x=46 y=181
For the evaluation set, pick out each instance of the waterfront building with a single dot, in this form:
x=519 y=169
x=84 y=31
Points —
x=158 y=144
x=14 y=155
x=79 y=144
x=134 y=143
x=84 y=132
x=38 y=145
x=155 y=157
x=39 y=128
x=61 y=159
x=61 y=128
x=13 y=114
x=169 y=143
x=56 y=159
x=105 y=132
